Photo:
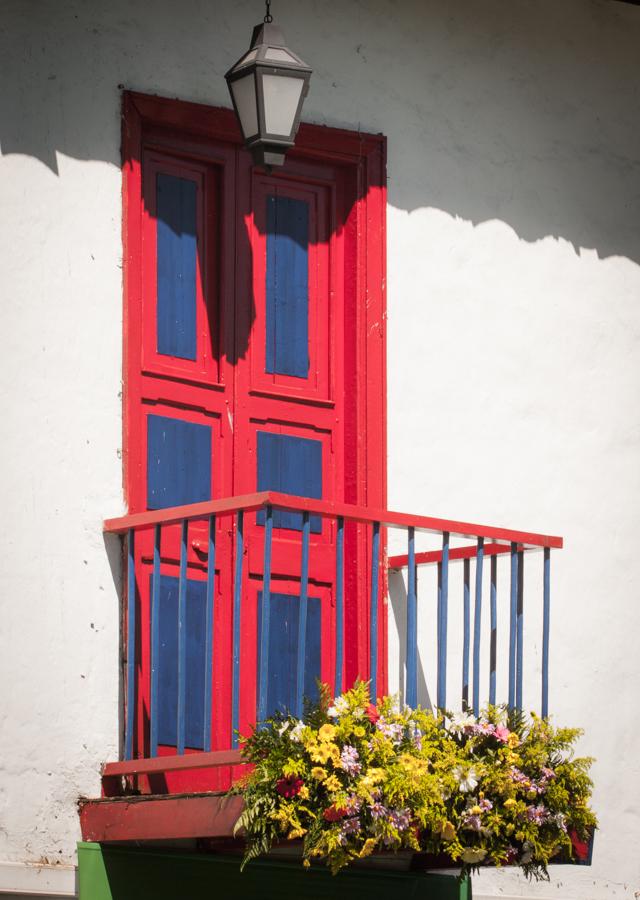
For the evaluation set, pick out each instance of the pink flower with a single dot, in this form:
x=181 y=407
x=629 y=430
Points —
x=289 y=787
x=502 y=734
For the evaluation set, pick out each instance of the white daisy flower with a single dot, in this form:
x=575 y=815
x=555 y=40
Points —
x=297 y=730
x=467 y=781
x=339 y=707
x=460 y=721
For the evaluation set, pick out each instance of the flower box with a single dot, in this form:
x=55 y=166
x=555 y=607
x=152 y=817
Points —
x=354 y=780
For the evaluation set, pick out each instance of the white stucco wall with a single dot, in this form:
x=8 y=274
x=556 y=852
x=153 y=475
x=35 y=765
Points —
x=514 y=334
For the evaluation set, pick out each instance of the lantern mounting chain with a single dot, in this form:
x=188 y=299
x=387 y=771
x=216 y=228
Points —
x=268 y=17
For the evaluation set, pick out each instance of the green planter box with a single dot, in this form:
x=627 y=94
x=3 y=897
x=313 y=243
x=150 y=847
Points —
x=119 y=873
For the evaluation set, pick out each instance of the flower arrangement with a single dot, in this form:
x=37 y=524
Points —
x=354 y=778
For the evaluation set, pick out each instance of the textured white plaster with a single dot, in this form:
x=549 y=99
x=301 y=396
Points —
x=514 y=326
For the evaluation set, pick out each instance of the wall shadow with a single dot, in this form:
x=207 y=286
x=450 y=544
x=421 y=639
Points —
x=398 y=598
x=526 y=113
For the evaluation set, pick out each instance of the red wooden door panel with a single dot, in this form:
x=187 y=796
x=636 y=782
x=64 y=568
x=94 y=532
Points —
x=252 y=362
x=290 y=387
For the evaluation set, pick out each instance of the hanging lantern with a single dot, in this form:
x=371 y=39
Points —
x=268 y=86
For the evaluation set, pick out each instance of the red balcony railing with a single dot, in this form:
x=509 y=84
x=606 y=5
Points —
x=335 y=538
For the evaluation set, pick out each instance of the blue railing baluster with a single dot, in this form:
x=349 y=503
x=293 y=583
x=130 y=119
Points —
x=265 y=615
x=443 y=612
x=411 y=692
x=131 y=645
x=182 y=638
x=237 y=606
x=339 y=605
x=373 y=635
x=512 y=625
x=493 y=650
x=466 y=630
x=302 y=613
x=546 y=616
x=520 y=631
x=477 y=627
x=208 y=633
x=155 y=642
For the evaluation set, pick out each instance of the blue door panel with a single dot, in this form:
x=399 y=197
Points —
x=178 y=462
x=287 y=288
x=176 y=266
x=283 y=650
x=291 y=465
x=168 y=662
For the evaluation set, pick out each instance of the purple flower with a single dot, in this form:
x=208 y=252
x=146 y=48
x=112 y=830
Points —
x=353 y=804
x=349 y=760
x=348 y=827
x=400 y=818
x=483 y=728
x=378 y=810
x=415 y=735
x=537 y=814
x=521 y=779
x=392 y=730
x=485 y=805
x=473 y=822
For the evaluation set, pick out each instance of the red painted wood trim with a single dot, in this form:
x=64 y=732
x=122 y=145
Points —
x=325 y=508
x=211 y=135
x=221 y=124
x=159 y=818
x=173 y=763
x=435 y=556
x=173 y=514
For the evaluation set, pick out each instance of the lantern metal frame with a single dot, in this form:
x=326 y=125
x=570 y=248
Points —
x=268 y=148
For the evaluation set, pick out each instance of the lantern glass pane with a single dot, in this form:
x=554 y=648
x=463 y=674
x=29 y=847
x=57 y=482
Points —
x=281 y=98
x=277 y=54
x=244 y=94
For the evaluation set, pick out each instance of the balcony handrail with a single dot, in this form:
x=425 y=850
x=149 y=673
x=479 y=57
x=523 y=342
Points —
x=432 y=557
x=329 y=509
x=488 y=542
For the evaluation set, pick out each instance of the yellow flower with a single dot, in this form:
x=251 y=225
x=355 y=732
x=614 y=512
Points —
x=325 y=752
x=296 y=833
x=509 y=803
x=303 y=793
x=332 y=783
x=318 y=773
x=448 y=832
x=374 y=776
x=513 y=740
x=473 y=854
x=306 y=863
x=280 y=815
x=475 y=810
x=327 y=733
x=368 y=847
